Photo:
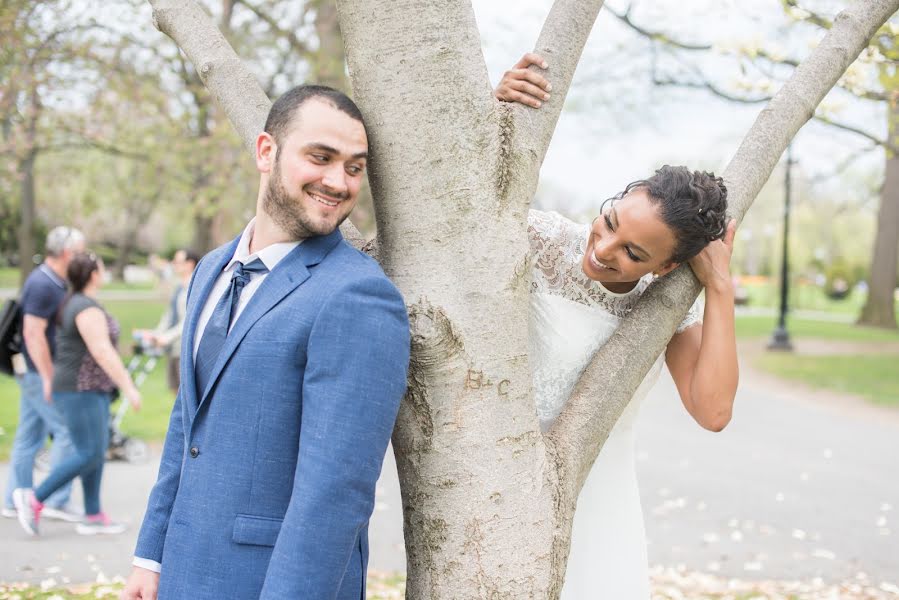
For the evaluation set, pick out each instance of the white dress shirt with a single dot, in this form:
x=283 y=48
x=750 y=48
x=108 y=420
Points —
x=270 y=256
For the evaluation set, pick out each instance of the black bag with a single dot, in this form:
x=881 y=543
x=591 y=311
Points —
x=10 y=334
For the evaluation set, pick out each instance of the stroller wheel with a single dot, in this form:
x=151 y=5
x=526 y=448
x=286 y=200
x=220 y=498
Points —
x=136 y=451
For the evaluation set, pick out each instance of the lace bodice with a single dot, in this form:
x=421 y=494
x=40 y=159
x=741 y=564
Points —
x=571 y=315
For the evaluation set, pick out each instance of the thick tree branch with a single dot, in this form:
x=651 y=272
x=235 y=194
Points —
x=442 y=54
x=616 y=371
x=561 y=43
x=228 y=79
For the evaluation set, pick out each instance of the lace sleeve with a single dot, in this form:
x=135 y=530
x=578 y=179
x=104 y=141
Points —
x=694 y=316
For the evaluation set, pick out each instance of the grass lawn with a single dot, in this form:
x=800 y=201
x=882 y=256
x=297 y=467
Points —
x=803 y=296
x=381 y=586
x=762 y=327
x=873 y=376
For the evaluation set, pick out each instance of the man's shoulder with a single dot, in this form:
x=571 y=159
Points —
x=40 y=288
x=351 y=268
x=349 y=259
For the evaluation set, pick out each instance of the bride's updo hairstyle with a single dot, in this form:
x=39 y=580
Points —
x=693 y=205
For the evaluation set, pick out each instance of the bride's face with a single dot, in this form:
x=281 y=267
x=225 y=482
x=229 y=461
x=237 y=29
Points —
x=628 y=240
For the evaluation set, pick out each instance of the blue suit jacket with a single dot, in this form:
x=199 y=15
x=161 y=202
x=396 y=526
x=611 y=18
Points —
x=267 y=479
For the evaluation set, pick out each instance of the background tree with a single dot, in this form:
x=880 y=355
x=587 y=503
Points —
x=488 y=499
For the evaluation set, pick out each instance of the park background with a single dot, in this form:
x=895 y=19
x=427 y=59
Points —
x=107 y=127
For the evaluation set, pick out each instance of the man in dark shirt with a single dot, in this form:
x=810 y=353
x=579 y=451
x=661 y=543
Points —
x=42 y=294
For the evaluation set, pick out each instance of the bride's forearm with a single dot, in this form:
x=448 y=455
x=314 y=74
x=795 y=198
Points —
x=715 y=375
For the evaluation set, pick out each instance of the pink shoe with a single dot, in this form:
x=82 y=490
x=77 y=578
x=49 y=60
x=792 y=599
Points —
x=28 y=509
x=99 y=524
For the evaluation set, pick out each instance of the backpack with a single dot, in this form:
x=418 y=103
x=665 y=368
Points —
x=10 y=334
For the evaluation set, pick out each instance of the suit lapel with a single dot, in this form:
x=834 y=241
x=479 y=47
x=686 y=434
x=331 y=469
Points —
x=205 y=277
x=289 y=273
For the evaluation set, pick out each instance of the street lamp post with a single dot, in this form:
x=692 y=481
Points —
x=780 y=339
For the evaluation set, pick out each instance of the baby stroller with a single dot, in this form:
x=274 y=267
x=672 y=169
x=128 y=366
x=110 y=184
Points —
x=121 y=446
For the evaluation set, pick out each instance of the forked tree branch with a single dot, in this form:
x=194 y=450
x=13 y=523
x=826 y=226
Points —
x=616 y=371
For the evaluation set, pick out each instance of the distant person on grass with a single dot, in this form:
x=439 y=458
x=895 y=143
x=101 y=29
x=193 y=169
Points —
x=86 y=371
x=167 y=335
x=40 y=298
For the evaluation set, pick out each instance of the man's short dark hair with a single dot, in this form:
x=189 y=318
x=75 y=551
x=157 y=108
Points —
x=191 y=255
x=282 y=112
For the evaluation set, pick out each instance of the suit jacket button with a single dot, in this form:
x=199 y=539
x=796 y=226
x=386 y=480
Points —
x=194 y=452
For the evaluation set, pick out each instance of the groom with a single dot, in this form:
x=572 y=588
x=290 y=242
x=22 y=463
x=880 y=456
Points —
x=293 y=364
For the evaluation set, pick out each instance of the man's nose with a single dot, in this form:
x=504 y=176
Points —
x=335 y=178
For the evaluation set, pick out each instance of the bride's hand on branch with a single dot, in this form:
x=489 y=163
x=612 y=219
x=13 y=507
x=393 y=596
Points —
x=712 y=265
x=521 y=84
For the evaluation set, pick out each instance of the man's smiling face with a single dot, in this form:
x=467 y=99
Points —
x=318 y=170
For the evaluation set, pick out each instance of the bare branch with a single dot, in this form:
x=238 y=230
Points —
x=657 y=35
x=845 y=164
x=618 y=368
x=809 y=16
x=296 y=43
x=708 y=86
x=856 y=131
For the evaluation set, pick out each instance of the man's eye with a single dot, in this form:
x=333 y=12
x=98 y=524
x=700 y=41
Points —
x=354 y=170
x=320 y=157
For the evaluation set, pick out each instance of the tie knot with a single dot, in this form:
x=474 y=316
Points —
x=243 y=272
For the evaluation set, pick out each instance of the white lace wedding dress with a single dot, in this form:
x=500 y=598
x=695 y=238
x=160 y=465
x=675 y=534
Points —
x=571 y=318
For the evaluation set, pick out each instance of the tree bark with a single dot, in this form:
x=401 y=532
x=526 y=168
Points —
x=880 y=307
x=488 y=501
x=27 y=243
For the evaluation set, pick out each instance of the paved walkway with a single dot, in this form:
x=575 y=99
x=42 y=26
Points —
x=800 y=485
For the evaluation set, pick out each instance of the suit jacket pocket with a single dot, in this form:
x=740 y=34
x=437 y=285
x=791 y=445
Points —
x=256 y=531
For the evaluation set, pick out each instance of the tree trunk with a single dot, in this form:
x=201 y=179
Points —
x=880 y=308
x=27 y=243
x=488 y=500
x=329 y=62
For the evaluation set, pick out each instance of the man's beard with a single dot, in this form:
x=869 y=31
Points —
x=290 y=213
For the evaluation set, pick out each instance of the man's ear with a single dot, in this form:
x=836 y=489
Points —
x=266 y=150
x=661 y=272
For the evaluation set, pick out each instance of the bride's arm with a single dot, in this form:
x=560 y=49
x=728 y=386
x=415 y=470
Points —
x=521 y=84
x=703 y=359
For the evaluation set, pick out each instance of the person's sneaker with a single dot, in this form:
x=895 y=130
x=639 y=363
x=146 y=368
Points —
x=62 y=513
x=98 y=524
x=9 y=512
x=28 y=509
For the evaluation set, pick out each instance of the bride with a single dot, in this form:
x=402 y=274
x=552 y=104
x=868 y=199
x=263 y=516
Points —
x=584 y=278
